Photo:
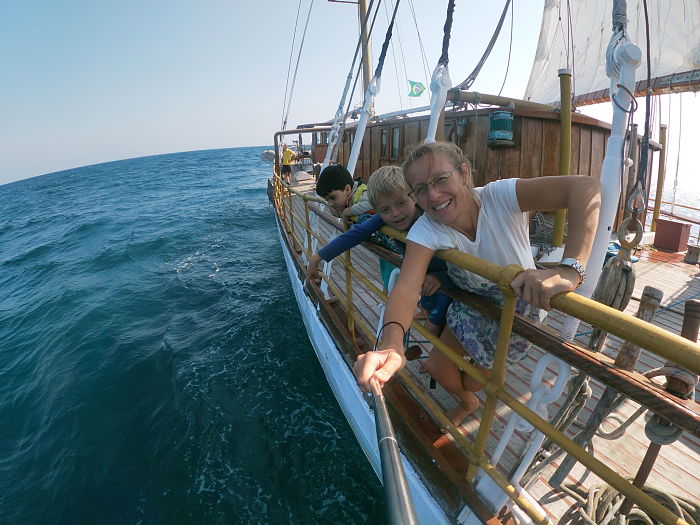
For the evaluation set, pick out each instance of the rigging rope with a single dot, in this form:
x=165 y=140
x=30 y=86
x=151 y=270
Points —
x=440 y=82
x=337 y=126
x=467 y=82
x=447 y=30
x=510 y=49
x=334 y=155
x=296 y=69
x=393 y=57
x=644 y=146
x=420 y=42
x=387 y=39
x=370 y=93
x=403 y=61
x=289 y=67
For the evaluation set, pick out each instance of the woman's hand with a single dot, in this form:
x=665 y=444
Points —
x=431 y=285
x=537 y=287
x=380 y=365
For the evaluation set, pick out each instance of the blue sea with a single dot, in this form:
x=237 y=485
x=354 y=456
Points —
x=154 y=368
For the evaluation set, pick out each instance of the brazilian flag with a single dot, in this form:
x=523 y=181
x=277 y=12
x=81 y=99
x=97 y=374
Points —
x=416 y=89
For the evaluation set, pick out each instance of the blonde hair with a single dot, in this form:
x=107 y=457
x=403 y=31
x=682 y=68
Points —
x=451 y=151
x=386 y=181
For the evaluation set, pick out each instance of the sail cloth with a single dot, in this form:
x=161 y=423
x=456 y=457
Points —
x=674 y=28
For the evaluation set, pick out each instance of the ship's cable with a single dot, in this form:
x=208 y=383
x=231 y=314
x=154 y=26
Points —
x=334 y=152
x=447 y=31
x=370 y=93
x=289 y=66
x=420 y=41
x=393 y=57
x=296 y=69
x=335 y=128
x=510 y=49
x=467 y=82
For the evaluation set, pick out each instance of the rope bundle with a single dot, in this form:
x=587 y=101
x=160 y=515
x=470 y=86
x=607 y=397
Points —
x=600 y=505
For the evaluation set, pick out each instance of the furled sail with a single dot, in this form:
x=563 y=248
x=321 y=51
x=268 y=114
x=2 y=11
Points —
x=578 y=41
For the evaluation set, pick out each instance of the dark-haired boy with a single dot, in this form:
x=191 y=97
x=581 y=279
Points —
x=348 y=198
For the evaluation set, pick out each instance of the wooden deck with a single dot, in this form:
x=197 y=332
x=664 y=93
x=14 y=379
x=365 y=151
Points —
x=677 y=469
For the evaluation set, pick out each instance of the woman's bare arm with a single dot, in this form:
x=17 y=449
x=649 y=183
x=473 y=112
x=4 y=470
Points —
x=398 y=315
x=581 y=195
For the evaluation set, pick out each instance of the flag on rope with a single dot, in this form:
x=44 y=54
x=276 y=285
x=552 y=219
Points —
x=416 y=89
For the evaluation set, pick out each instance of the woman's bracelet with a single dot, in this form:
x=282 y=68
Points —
x=379 y=335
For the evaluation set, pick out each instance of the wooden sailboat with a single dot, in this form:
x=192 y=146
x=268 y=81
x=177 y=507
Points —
x=475 y=473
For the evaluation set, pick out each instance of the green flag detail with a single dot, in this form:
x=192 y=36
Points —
x=416 y=89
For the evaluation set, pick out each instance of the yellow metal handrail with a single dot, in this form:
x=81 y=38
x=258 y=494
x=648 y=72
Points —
x=639 y=332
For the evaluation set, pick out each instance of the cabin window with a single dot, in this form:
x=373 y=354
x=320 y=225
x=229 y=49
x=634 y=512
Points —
x=324 y=137
x=351 y=138
x=395 y=143
x=383 y=144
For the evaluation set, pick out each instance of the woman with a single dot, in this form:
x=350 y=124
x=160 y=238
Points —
x=490 y=223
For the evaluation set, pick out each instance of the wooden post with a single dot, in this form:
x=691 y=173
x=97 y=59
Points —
x=348 y=295
x=564 y=149
x=440 y=132
x=691 y=324
x=626 y=360
x=661 y=176
x=308 y=228
x=290 y=202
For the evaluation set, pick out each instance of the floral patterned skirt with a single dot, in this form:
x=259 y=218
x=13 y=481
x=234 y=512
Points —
x=478 y=333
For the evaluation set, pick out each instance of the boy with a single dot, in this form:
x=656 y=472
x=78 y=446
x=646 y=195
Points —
x=347 y=197
x=389 y=195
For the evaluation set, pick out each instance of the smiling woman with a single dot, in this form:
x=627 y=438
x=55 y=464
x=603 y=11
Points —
x=490 y=223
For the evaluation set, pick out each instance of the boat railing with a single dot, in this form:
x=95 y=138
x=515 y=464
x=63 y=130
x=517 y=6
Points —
x=654 y=339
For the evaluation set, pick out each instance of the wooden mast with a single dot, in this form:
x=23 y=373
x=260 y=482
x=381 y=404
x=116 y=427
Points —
x=366 y=49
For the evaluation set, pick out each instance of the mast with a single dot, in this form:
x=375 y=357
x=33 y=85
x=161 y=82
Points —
x=366 y=48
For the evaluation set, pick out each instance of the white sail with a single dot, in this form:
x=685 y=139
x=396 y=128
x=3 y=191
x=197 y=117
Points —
x=674 y=27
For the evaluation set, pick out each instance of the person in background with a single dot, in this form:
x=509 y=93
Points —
x=287 y=158
x=490 y=223
x=346 y=197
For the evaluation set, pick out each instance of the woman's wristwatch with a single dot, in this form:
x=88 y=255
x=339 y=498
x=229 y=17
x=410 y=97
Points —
x=573 y=263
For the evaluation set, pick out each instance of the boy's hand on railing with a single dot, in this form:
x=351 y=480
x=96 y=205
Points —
x=380 y=365
x=346 y=215
x=537 y=287
x=312 y=268
x=431 y=285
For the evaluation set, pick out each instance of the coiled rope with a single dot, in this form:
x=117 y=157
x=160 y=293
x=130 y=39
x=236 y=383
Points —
x=600 y=505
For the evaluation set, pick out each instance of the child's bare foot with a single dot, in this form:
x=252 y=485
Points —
x=458 y=414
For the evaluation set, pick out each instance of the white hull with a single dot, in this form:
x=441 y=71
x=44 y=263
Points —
x=352 y=401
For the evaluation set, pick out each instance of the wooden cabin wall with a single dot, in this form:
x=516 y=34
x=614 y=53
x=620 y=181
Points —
x=535 y=151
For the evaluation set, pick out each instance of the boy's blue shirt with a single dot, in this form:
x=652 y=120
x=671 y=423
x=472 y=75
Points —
x=362 y=232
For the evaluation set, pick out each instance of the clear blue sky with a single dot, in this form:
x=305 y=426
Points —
x=85 y=82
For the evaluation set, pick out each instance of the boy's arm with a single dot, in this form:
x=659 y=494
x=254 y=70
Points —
x=362 y=206
x=351 y=238
x=314 y=261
